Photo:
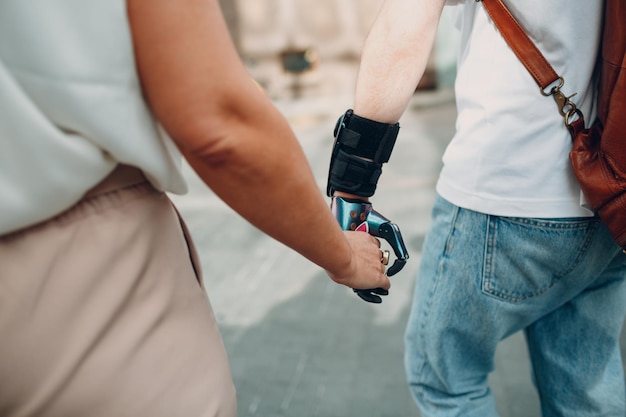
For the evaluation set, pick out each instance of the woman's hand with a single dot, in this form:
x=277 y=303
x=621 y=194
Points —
x=365 y=269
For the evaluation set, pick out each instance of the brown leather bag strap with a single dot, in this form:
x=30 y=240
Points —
x=520 y=43
x=534 y=61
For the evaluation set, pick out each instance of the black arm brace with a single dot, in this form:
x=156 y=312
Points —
x=361 y=147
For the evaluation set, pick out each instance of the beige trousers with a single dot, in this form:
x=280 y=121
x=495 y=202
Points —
x=103 y=314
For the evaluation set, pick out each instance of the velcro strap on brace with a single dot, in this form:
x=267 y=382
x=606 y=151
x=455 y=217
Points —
x=361 y=147
x=354 y=175
x=366 y=138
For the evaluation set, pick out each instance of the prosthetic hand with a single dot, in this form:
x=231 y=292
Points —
x=359 y=215
x=361 y=147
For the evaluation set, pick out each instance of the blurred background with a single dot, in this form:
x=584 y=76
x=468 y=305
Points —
x=300 y=345
x=330 y=33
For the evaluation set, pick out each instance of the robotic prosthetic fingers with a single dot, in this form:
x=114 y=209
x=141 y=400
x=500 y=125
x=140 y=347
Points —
x=360 y=216
x=361 y=147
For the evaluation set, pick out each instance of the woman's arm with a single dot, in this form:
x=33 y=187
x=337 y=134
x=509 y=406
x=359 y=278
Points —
x=236 y=140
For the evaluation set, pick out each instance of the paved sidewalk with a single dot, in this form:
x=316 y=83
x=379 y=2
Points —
x=301 y=346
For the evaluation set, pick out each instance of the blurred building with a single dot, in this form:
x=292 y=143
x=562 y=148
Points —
x=336 y=28
x=276 y=39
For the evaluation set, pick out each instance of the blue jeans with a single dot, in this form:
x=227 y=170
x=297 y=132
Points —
x=483 y=278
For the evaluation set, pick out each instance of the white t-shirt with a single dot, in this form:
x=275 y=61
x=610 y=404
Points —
x=71 y=108
x=509 y=155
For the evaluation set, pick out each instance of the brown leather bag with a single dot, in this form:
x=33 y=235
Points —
x=598 y=154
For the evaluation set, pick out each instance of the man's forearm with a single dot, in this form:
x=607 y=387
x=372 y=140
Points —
x=395 y=56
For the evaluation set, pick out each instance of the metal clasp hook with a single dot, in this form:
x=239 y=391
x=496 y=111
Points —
x=567 y=108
